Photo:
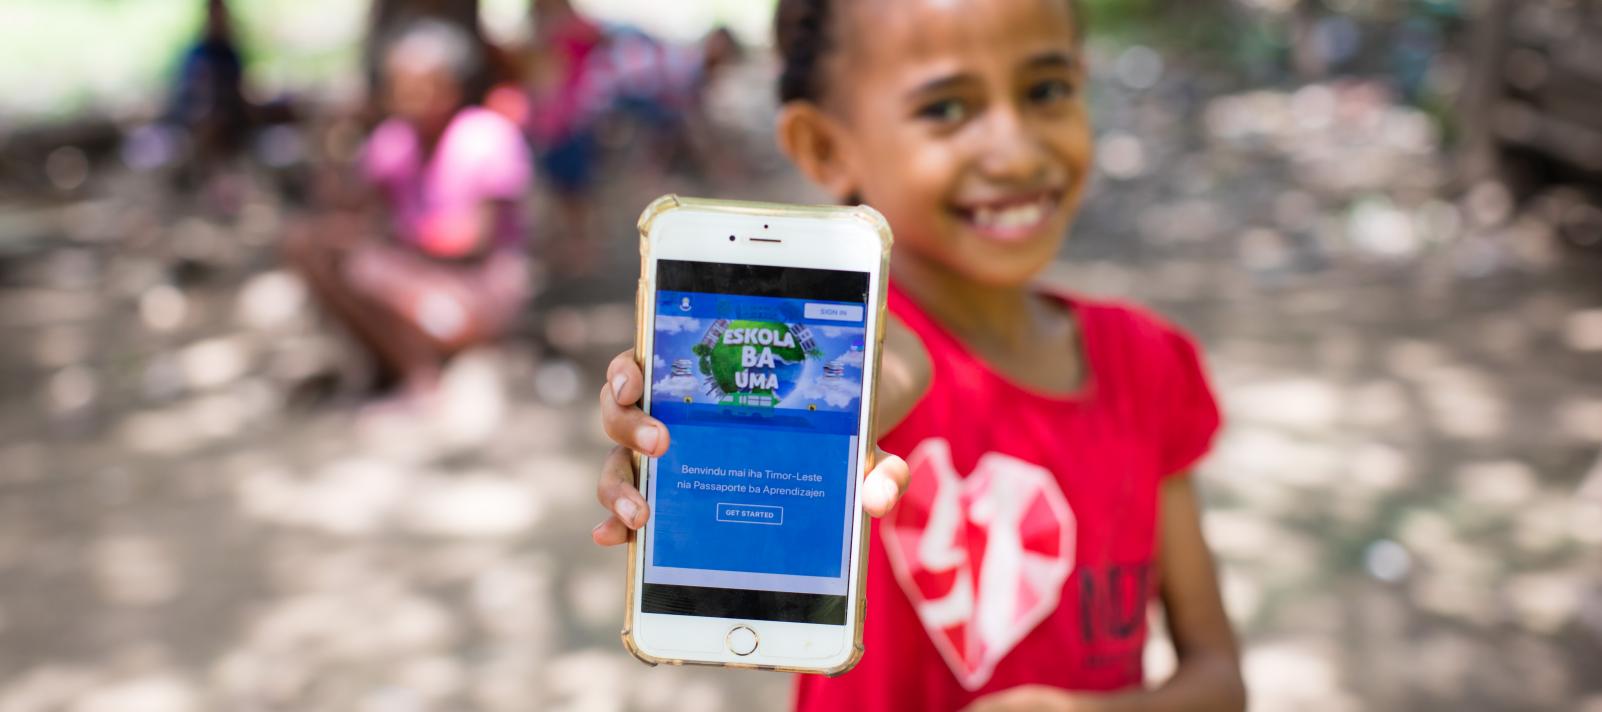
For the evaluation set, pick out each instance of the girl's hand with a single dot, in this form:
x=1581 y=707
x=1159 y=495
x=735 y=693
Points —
x=1031 y=698
x=634 y=431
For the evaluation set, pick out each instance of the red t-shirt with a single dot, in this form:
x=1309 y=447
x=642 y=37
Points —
x=1023 y=551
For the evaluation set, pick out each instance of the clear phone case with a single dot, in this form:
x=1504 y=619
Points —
x=668 y=203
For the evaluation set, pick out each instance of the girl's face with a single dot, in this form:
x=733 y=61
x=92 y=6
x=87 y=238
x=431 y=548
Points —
x=964 y=122
x=426 y=97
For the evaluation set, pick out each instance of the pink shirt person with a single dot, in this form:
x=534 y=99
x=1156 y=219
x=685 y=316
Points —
x=480 y=159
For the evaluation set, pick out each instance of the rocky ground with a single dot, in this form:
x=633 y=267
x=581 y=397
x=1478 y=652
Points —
x=1407 y=501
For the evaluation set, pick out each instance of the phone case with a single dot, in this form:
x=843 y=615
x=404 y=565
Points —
x=664 y=205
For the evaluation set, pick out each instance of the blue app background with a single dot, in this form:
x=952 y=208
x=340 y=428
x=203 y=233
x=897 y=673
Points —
x=755 y=484
x=807 y=543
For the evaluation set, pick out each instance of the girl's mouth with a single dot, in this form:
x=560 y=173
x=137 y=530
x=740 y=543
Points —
x=1010 y=219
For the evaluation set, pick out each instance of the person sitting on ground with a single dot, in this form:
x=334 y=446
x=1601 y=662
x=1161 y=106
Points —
x=448 y=270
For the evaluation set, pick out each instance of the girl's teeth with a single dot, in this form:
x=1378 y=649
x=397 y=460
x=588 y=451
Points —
x=1009 y=218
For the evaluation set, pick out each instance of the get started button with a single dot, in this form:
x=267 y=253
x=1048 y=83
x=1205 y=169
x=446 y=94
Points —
x=750 y=513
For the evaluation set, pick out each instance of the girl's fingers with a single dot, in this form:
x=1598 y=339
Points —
x=884 y=485
x=624 y=379
x=631 y=427
x=616 y=491
x=632 y=430
x=610 y=532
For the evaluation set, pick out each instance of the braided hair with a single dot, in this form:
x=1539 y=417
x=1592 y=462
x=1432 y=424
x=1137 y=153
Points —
x=805 y=33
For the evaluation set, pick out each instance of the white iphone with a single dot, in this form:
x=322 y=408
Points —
x=760 y=332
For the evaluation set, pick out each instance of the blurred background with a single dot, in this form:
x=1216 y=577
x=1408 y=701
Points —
x=218 y=492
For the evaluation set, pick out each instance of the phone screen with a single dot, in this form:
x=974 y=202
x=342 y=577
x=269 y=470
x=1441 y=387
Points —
x=758 y=374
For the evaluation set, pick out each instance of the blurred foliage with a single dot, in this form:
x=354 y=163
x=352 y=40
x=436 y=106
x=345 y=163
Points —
x=1193 y=24
x=1255 y=35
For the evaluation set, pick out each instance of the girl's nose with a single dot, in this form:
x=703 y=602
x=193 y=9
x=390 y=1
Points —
x=1011 y=153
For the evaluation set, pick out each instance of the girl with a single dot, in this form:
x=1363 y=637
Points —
x=1063 y=428
x=451 y=271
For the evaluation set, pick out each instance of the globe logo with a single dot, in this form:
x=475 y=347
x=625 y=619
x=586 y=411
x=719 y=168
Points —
x=754 y=362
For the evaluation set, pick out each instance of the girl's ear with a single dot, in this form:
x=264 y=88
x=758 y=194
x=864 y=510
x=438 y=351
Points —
x=815 y=141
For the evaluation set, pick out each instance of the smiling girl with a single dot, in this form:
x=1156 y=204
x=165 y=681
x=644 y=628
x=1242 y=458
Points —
x=1041 y=499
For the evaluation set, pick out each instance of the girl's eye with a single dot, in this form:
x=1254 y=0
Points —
x=945 y=111
x=1050 y=91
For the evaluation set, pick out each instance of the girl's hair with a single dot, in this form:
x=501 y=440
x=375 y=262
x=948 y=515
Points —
x=806 y=35
x=802 y=29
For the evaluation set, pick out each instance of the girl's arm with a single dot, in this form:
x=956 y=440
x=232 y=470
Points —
x=1208 y=677
x=903 y=375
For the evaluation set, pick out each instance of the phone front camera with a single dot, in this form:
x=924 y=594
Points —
x=731 y=238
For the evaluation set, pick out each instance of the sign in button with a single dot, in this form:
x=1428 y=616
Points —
x=832 y=312
x=750 y=514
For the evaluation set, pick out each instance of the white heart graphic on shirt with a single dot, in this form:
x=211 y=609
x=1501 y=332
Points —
x=983 y=558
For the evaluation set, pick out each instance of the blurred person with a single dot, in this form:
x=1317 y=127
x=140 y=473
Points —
x=208 y=101
x=578 y=74
x=964 y=122
x=562 y=105
x=448 y=269
x=662 y=86
x=388 y=18
x=1415 y=45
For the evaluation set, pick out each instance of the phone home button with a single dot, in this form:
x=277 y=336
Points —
x=741 y=640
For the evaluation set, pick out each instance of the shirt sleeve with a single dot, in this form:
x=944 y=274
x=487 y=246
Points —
x=1188 y=417
x=495 y=157
x=387 y=153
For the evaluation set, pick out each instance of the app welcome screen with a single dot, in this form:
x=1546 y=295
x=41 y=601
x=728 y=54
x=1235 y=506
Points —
x=762 y=396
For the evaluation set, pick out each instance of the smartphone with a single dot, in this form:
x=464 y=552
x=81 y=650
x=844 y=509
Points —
x=760 y=332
